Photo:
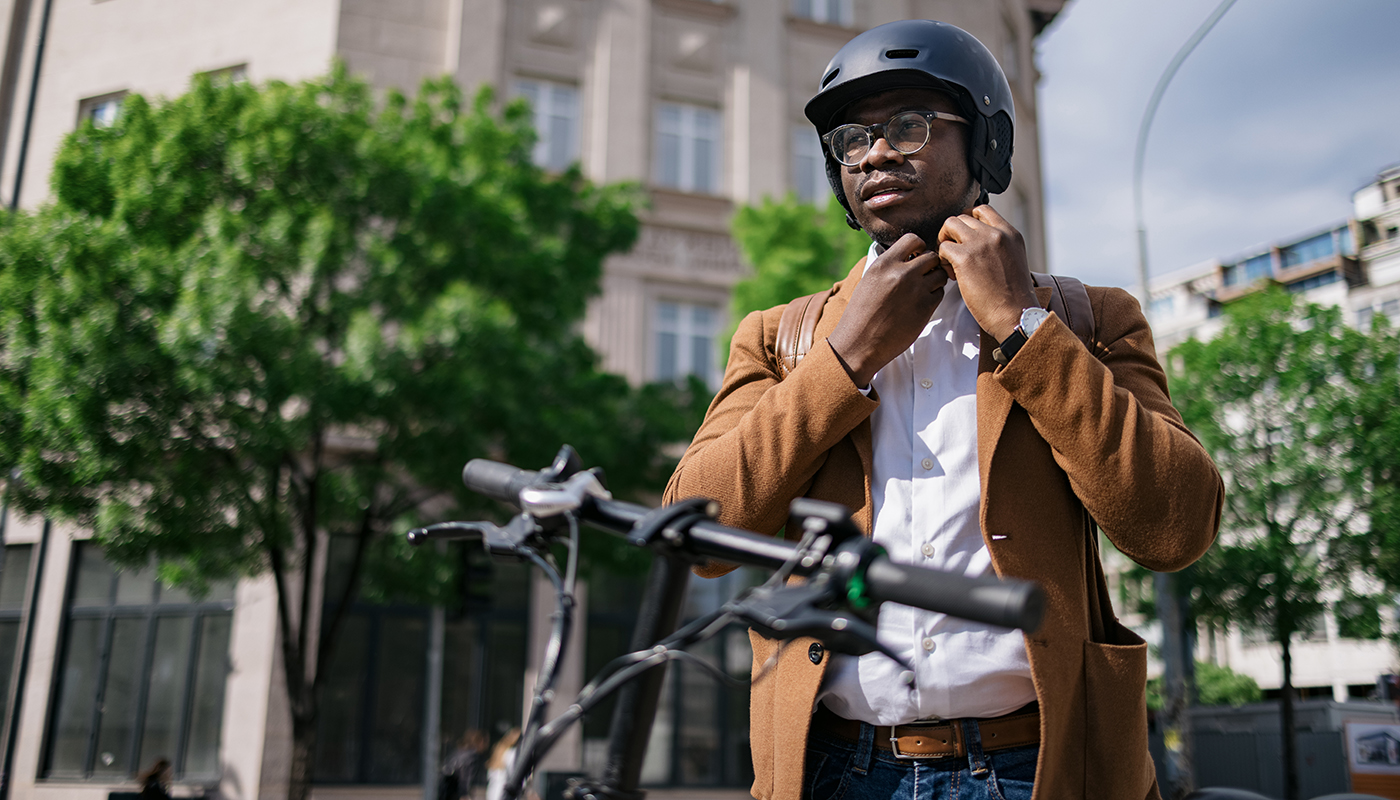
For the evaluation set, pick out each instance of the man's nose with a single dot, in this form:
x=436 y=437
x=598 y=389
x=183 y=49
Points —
x=881 y=152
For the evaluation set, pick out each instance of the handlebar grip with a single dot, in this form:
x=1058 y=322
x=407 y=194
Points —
x=496 y=480
x=1008 y=603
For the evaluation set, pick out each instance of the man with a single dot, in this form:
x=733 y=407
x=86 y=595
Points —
x=970 y=430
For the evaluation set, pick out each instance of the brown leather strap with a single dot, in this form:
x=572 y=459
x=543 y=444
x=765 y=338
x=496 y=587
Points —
x=1070 y=302
x=940 y=739
x=796 y=329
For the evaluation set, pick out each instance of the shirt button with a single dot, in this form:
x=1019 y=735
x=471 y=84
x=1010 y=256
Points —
x=926 y=383
x=928 y=644
x=928 y=550
x=927 y=463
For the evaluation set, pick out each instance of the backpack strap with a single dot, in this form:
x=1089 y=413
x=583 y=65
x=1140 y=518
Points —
x=797 y=327
x=1070 y=302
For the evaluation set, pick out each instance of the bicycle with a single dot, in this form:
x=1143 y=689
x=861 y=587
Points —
x=848 y=577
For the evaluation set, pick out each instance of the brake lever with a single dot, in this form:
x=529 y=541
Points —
x=553 y=498
x=794 y=611
x=510 y=540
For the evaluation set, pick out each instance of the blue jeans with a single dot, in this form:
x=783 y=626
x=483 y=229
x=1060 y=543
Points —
x=841 y=770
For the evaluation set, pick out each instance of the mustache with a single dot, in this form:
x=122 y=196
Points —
x=907 y=177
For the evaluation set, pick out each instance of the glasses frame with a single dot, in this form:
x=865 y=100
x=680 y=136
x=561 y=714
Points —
x=874 y=133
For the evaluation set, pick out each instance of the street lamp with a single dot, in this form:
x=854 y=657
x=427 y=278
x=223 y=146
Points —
x=1171 y=608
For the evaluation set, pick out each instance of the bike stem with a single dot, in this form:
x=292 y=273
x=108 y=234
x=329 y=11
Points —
x=637 y=701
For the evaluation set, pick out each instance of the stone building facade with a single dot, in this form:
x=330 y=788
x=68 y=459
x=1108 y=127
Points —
x=698 y=101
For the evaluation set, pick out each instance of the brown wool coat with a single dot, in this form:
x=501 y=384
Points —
x=1061 y=431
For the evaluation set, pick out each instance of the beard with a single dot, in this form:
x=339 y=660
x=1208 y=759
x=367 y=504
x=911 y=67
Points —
x=928 y=222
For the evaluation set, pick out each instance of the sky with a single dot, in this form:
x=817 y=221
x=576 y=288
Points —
x=1284 y=110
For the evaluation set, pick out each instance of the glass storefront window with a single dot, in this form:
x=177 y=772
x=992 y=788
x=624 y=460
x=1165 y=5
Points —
x=14 y=592
x=141 y=675
x=372 y=701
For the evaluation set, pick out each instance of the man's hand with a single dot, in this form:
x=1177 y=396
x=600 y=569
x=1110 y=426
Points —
x=889 y=308
x=987 y=257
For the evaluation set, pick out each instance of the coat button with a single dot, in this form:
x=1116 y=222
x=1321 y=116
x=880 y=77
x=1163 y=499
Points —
x=815 y=652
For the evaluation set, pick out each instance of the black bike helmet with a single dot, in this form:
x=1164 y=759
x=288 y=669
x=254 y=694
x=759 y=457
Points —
x=923 y=54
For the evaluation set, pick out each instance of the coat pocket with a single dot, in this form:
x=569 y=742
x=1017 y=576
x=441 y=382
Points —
x=1117 y=765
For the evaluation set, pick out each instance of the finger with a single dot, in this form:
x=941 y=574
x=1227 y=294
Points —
x=908 y=246
x=990 y=216
x=948 y=254
x=957 y=229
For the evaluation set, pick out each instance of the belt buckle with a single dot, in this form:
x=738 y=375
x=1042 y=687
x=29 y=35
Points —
x=956 y=735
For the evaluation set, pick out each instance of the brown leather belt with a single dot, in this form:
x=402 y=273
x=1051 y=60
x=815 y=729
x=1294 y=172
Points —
x=937 y=738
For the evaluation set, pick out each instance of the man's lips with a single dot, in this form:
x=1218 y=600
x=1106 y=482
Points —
x=878 y=193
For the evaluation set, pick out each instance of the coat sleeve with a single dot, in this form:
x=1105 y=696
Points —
x=764 y=438
x=1130 y=459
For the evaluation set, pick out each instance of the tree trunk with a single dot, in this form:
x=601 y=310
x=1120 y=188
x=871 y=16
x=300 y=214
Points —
x=303 y=745
x=1176 y=728
x=1290 y=736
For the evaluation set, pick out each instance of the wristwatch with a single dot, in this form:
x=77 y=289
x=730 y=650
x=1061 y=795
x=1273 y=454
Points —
x=1031 y=320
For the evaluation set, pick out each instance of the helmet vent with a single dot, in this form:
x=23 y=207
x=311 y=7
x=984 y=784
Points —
x=901 y=54
x=831 y=76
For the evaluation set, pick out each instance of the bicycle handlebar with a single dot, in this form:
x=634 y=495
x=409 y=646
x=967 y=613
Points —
x=1005 y=603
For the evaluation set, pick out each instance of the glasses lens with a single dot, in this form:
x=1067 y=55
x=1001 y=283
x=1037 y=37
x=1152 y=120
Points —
x=849 y=144
x=908 y=132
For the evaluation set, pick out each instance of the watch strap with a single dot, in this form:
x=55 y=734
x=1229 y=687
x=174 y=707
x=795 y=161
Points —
x=1008 y=349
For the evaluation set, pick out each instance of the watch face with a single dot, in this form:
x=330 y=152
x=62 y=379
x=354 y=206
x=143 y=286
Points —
x=1031 y=319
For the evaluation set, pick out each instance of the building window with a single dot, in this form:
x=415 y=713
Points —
x=555 y=107
x=834 y=12
x=1011 y=55
x=685 y=341
x=687 y=148
x=808 y=166
x=238 y=73
x=701 y=735
x=1315 y=281
x=373 y=701
x=1163 y=307
x=14 y=593
x=1312 y=249
x=101 y=111
x=141 y=674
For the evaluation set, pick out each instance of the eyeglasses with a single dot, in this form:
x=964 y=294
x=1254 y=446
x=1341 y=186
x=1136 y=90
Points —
x=906 y=132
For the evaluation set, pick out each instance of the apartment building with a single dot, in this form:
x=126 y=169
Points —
x=698 y=101
x=1354 y=264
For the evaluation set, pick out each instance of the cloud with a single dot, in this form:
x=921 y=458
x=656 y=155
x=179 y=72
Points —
x=1284 y=110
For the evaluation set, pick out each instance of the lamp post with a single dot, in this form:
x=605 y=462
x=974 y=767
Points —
x=1172 y=607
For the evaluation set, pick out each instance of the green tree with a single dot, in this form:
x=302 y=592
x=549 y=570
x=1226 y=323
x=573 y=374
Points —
x=1215 y=686
x=1268 y=400
x=1370 y=362
x=795 y=249
x=255 y=316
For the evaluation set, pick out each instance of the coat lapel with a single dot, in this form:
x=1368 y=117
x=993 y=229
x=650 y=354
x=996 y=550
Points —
x=861 y=435
x=993 y=406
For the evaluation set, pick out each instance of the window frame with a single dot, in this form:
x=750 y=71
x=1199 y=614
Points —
x=20 y=616
x=685 y=331
x=544 y=110
x=821 y=11
x=689 y=177
x=807 y=146
x=151 y=613
x=88 y=105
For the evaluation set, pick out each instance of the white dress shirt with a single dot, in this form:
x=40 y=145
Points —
x=926 y=492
